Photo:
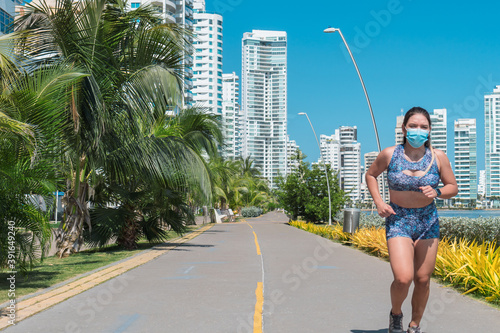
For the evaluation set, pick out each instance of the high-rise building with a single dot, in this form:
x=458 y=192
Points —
x=492 y=142
x=7 y=14
x=292 y=162
x=264 y=101
x=184 y=16
x=365 y=194
x=398 y=130
x=180 y=12
x=207 y=59
x=343 y=152
x=330 y=149
x=481 y=184
x=466 y=159
x=350 y=162
x=231 y=117
x=438 y=129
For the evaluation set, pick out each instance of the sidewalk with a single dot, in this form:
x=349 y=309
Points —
x=52 y=296
x=256 y=276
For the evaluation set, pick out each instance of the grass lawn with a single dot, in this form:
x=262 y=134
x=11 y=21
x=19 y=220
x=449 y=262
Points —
x=54 y=270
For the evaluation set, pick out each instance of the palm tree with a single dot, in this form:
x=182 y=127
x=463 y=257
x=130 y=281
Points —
x=30 y=115
x=134 y=77
x=238 y=183
x=223 y=173
x=142 y=208
x=248 y=169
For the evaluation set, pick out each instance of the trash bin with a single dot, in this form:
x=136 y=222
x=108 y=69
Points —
x=351 y=219
x=205 y=215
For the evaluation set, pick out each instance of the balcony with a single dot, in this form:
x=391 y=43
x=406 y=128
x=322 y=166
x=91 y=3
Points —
x=188 y=71
x=168 y=3
x=169 y=17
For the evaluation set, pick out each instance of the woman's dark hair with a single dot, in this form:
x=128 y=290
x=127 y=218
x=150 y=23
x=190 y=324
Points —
x=413 y=111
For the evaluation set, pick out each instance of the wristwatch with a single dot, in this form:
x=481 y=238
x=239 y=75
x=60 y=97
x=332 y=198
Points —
x=438 y=192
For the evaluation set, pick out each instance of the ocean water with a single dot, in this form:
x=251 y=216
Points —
x=470 y=213
x=463 y=213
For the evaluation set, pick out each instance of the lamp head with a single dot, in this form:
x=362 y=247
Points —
x=302 y=113
x=331 y=30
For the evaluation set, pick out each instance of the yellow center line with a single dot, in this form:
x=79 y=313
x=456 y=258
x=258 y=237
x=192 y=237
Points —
x=259 y=294
x=256 y=241
x=257 y=317
x=257 y=244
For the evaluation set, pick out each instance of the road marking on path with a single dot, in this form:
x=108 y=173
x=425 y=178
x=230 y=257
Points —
x=188 y=270
x=257 y=244
x=256 y=241
x=259 y=292
x=259 y=304
x=129 y=321
x=33 y=305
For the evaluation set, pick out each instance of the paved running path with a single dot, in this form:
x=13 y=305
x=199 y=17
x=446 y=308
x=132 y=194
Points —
x=212 y=284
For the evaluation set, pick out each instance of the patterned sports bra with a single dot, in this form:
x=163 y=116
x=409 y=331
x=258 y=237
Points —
x=399 y=181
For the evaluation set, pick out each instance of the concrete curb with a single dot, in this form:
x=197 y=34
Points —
x=51 y=297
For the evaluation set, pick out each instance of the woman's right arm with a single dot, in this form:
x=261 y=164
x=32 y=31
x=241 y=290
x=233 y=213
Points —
x=380 y=165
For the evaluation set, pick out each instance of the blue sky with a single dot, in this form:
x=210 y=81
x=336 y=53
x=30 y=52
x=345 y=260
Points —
x=433 y=54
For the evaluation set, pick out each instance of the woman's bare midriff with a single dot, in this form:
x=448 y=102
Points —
x=409 y=199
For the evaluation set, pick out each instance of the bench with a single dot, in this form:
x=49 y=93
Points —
x=217 y=216
x=230 y=214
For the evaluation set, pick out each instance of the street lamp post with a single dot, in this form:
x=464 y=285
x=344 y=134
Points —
x=324 y=165
x=332 y=30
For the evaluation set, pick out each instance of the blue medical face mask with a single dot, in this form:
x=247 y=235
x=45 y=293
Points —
x=416 y=137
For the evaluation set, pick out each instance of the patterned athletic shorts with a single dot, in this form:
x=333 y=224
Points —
x=414 y=223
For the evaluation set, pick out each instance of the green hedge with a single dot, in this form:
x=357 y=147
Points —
x=251 y=211
x=481 y=229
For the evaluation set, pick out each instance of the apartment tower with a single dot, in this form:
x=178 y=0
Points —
x=207 y=59
x=231 y=116
x=180 y=12
x=466 y=160
x=369 y=159
x=292 y=149
x=264 y=101
x=330 y=149
x=7 y=14
x=492 y=142
x=350 y=162
x=343 y=152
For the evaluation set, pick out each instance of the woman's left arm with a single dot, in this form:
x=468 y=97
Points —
x=450 y=188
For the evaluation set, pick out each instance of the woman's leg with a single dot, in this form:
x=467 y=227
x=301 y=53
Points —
x=425 y=261
x=401 y=255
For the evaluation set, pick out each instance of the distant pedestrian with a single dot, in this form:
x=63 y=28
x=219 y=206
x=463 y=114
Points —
x=414 y=170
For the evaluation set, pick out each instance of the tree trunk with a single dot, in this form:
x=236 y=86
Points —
x=70 y=234
x=128 y=234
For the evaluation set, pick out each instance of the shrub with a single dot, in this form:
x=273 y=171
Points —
x=251 y=212
x=481 y=229
x=365 y=220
